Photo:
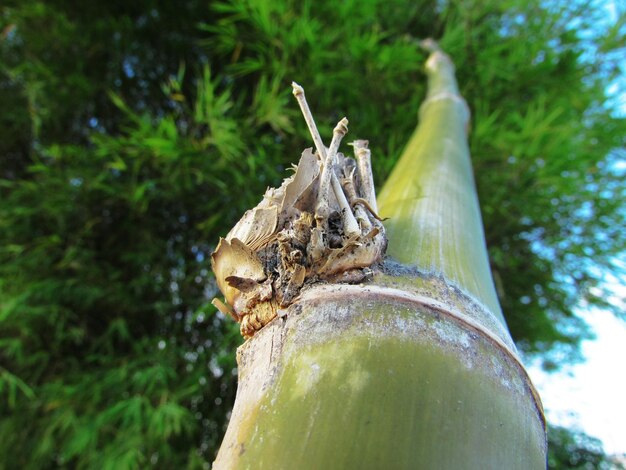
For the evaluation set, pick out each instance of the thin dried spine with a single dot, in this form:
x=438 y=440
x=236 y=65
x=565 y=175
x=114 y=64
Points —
x=350 y=225
x=359 y=212
x=363 y=158
x=322 y=211
x=298 y=92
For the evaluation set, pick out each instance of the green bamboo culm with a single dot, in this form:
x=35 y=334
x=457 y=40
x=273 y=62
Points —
x=413 y=369
x=430 y=201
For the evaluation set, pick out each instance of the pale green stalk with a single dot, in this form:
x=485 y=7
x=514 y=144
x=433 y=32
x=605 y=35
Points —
x=414 y=369
x=434 y=220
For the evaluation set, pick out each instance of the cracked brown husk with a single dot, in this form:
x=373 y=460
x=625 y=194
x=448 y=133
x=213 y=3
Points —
x=320 y=225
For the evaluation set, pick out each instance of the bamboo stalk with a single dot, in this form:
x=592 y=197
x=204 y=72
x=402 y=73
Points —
x=414 y=368
x=369 y=378
x=432 y=189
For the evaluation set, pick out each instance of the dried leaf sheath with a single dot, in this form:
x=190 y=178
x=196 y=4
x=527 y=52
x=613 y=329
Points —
x=319 y=225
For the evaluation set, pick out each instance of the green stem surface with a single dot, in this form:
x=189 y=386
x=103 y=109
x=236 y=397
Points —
x=430 y=201
x=414 y=369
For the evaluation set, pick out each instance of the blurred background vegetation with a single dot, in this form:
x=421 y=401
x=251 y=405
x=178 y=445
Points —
x=134 y=134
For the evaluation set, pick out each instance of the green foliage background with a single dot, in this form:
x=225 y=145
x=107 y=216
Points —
x=134 y=134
